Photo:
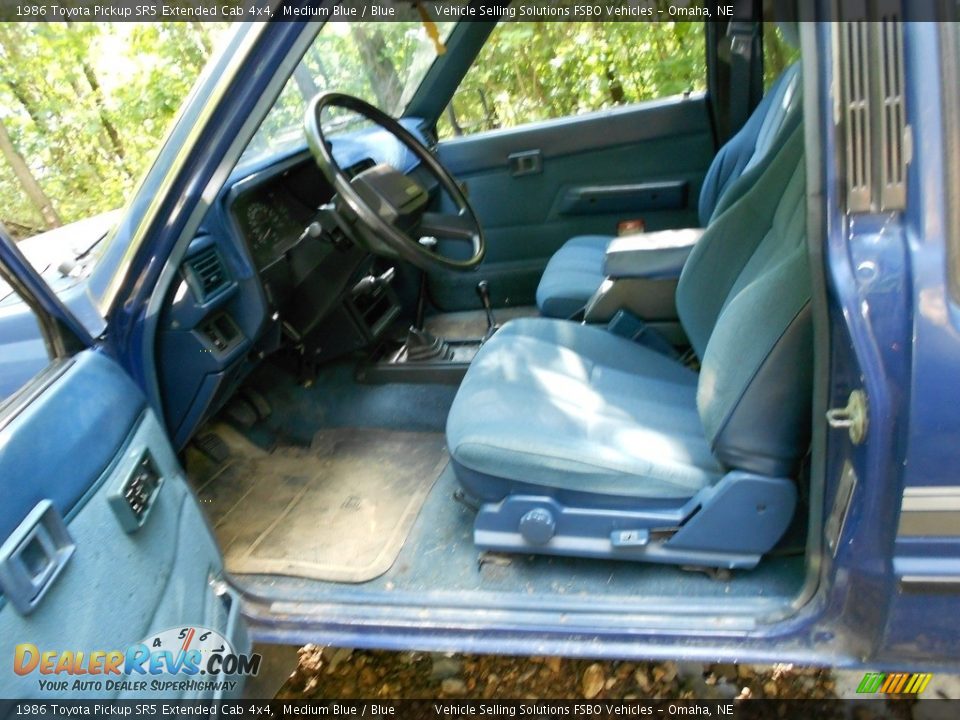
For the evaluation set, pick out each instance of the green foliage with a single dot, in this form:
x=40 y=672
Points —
x=536 y=71
x=777 y=54
x=86 y=105
x=378 y=62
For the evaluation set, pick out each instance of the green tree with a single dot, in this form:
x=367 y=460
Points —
x=26 y=179
x=536 y=71
x=84 y=107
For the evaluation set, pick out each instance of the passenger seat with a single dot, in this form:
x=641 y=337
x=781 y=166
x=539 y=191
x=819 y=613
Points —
x=575 y=271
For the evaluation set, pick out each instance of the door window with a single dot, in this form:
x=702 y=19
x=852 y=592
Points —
x=24 y=349
x=528 y=72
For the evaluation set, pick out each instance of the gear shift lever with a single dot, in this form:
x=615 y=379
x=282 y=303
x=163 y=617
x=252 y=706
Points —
x=483 y=290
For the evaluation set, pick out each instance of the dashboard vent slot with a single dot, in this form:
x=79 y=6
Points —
x=206 y=273
x=856 y=113
x=894 y=132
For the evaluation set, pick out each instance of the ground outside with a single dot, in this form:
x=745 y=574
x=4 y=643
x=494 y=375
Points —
x=324 y=674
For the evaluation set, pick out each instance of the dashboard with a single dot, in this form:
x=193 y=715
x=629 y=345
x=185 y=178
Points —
x=271 y=223
x=272 y=214
x=253 y=282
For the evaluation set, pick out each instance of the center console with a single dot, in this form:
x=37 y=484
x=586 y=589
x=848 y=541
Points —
x=423 y=357
x=642 y=272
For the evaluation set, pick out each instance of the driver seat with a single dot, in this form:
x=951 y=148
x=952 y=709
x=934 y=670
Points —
x=573 y=441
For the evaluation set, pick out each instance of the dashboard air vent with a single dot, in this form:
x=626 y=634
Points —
x=205 y=273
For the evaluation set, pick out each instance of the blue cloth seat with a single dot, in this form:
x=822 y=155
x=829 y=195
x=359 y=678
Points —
x=572 y=275
x=576 y=441
x=575 y=271
x=554 y=404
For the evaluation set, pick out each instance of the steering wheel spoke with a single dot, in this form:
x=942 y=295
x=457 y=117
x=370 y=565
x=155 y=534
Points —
x=446 y=226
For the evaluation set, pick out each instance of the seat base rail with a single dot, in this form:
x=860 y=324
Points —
x=728 y=525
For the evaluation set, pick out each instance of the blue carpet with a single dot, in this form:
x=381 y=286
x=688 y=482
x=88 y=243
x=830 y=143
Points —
x=439 y=556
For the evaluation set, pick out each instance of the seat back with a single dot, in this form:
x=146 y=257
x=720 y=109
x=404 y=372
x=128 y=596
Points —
x=744 y=301
x=737 y=165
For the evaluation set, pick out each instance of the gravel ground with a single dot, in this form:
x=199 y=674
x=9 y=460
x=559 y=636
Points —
x=343 y=673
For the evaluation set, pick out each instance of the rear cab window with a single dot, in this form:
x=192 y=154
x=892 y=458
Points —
x=778 y=54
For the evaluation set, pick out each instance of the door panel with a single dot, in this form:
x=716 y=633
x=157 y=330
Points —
x=101 y=405
x=533 y=187
x=78 y=444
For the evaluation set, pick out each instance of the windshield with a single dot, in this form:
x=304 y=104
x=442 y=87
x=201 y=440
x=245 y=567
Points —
x=380 y=62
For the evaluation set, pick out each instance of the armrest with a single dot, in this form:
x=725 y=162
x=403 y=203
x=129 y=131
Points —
x=650 y=255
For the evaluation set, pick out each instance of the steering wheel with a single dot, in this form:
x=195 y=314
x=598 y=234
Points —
x=390 y=205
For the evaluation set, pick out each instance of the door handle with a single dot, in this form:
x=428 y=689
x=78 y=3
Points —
x=528 y=162
x=33 y=556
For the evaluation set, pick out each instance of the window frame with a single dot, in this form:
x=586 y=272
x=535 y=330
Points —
x=62 y=335
x=275 y=150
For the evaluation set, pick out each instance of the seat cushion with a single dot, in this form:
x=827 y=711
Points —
x=555 y=404
x=572 y=276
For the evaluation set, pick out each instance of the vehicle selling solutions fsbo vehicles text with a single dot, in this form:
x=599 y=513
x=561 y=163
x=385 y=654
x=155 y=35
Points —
x=582 y=10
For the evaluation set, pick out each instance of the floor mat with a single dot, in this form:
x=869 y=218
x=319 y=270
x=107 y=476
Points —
x=339 y=510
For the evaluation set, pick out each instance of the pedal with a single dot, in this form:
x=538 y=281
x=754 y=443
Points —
x=259 y=403
x=213 y=447
x=241 y=413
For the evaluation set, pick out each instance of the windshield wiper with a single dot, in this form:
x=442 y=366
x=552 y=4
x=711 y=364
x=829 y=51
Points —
x=91 y=246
